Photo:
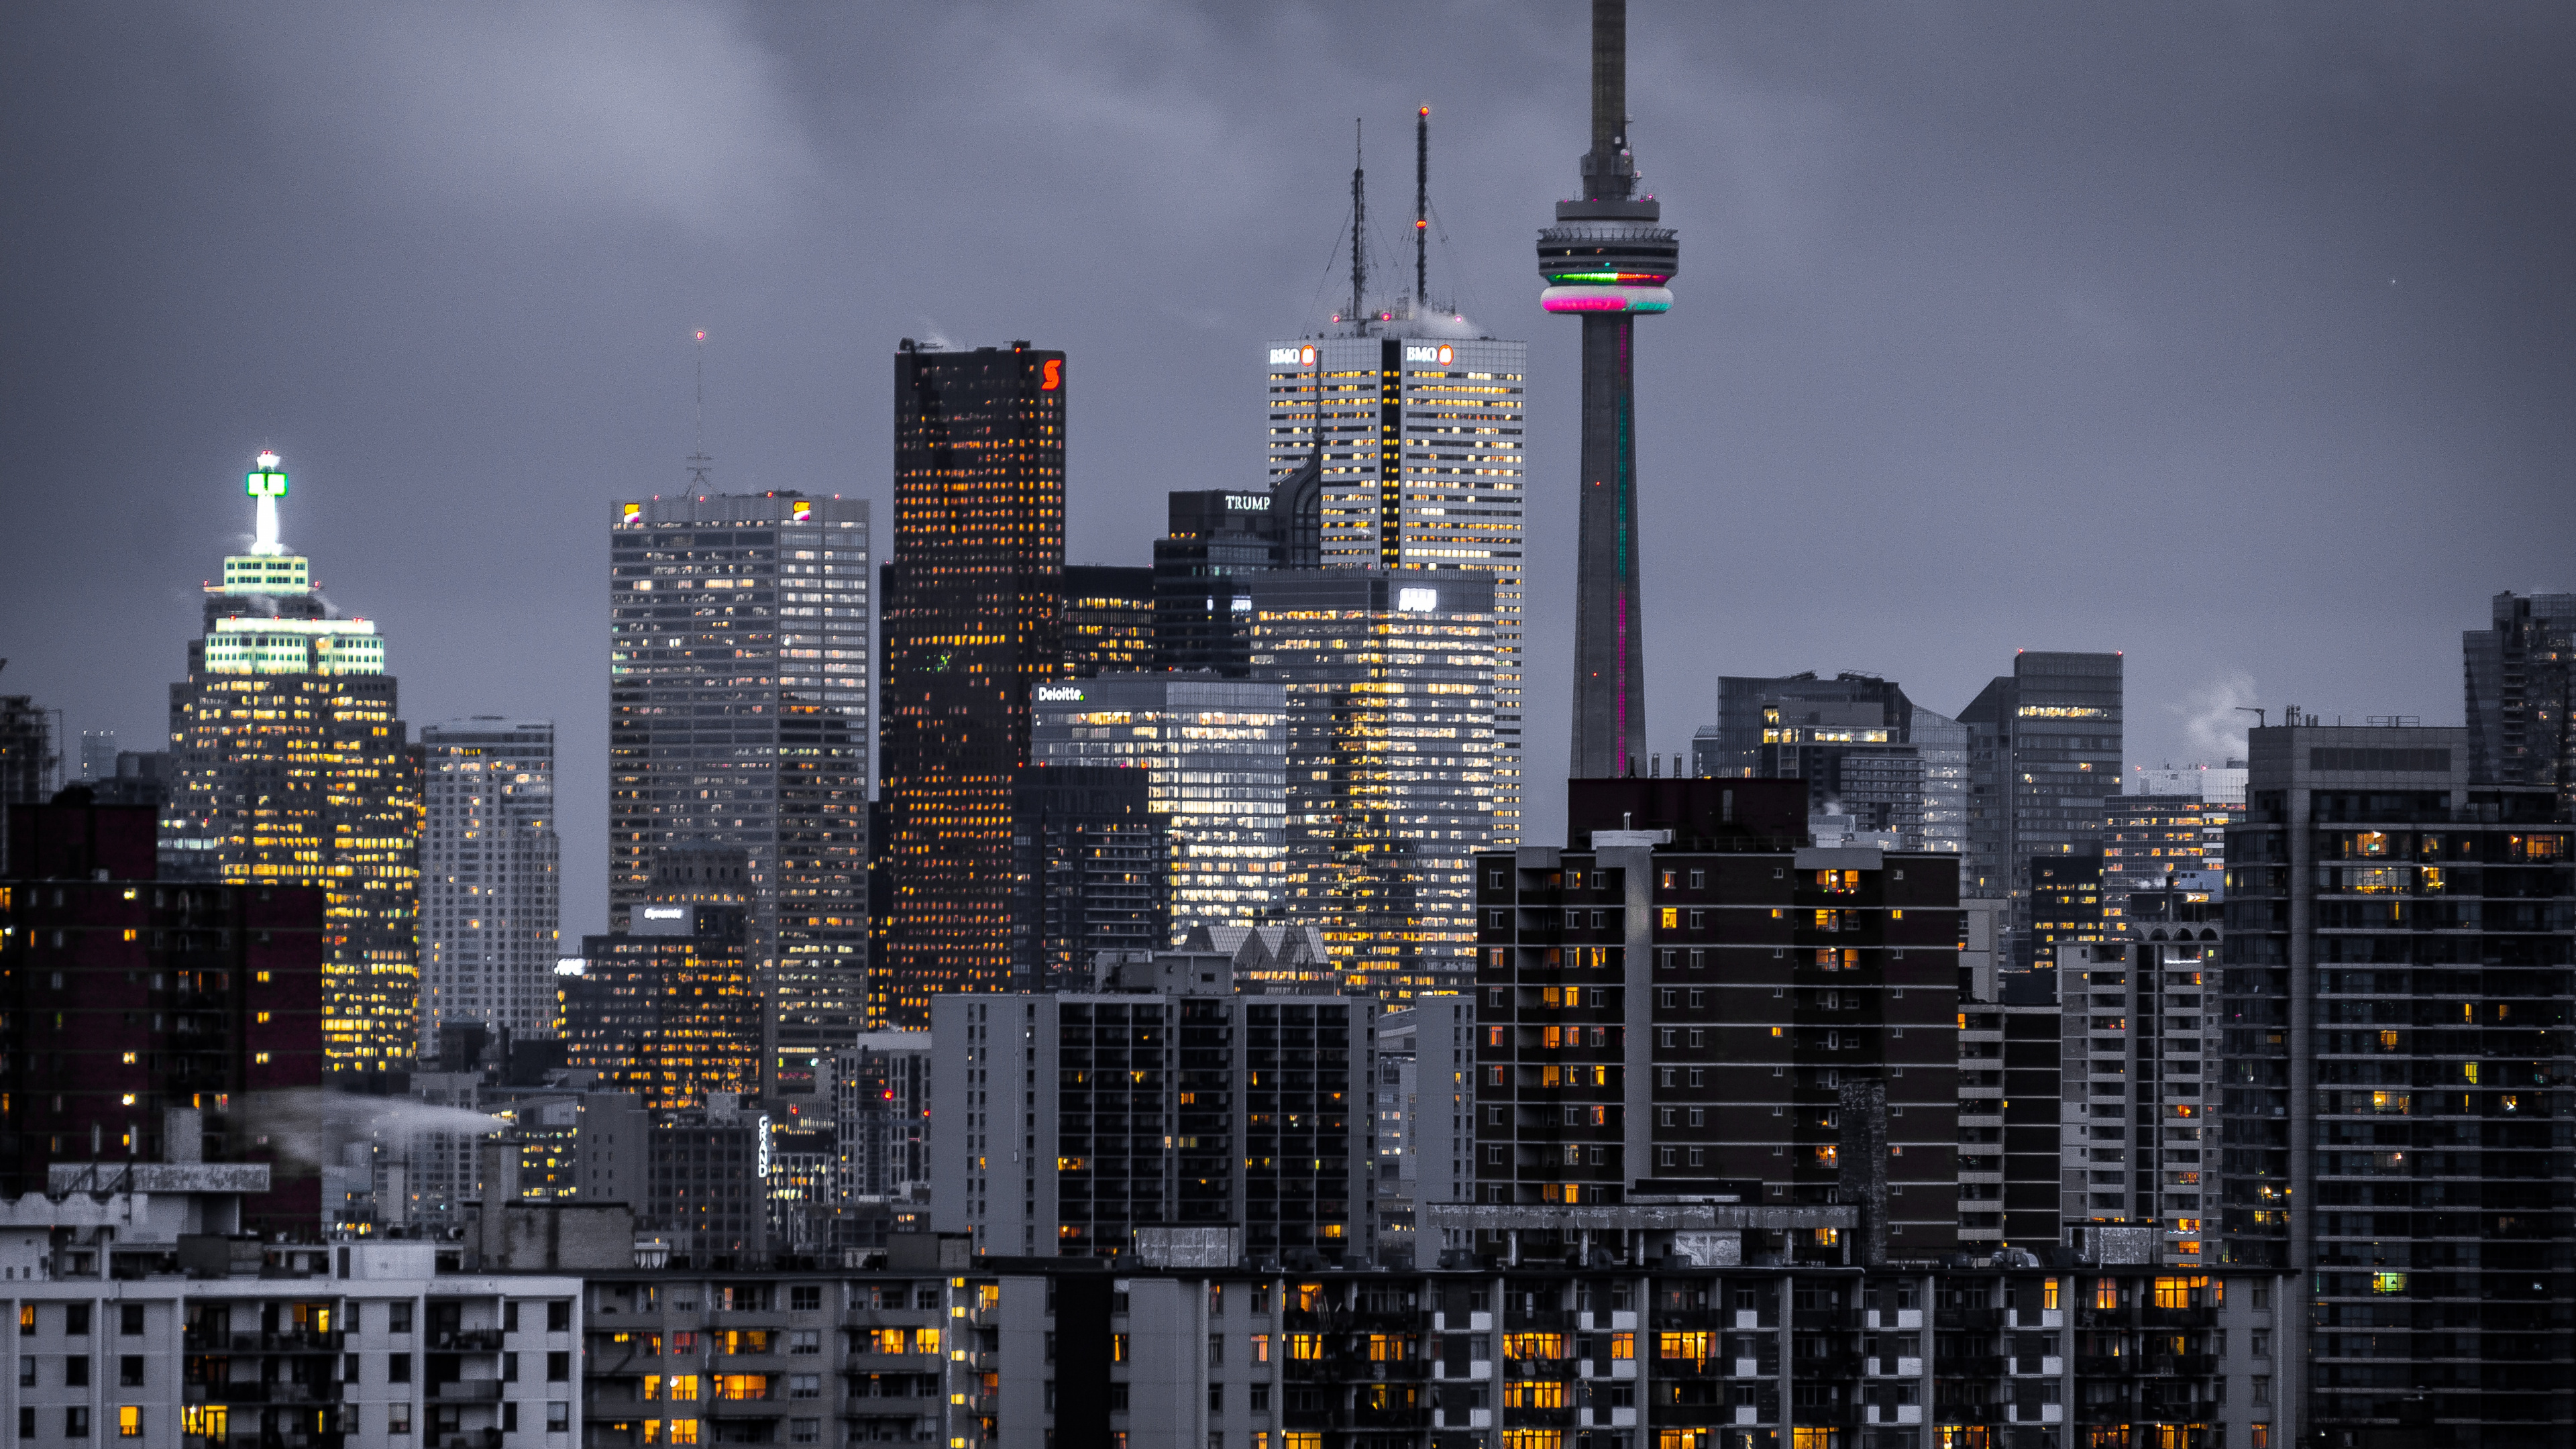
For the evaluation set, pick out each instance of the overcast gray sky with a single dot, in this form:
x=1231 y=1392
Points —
x=2234 y=336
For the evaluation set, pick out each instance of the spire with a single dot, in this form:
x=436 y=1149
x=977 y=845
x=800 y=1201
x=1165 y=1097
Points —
x=1609 y=171
x=698 y=461
x=1359 y=226
x=1421 y=211
x=266 y=484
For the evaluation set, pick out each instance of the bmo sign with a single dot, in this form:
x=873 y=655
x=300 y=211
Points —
x=1292 y=356
x=1443 y=354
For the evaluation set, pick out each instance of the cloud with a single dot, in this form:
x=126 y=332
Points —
x=659 y=112
x=2213 y=724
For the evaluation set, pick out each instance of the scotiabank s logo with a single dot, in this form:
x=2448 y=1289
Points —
x=1050 y=376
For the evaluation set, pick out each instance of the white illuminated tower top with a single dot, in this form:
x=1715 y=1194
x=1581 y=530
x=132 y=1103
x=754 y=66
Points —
x=267 y=616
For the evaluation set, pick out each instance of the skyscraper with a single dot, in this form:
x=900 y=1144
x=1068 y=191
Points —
x=490 y=894
x=738 y=718
x=2044 y=751
x=1108 y=620
x=1390 y=747
x=1396 y=440
x=972 y=594
x=1606 y=260
x=2521 y=685
x=1864 y=749
x=1214 y=535
x=2396 y=970
x=291 y=766
x=1214 y=756
x=1091 y=870
x=669 y=1006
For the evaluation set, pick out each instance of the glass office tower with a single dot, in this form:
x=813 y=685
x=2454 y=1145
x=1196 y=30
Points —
x=1422 y=442
x=2044 y=752
x=738 y=718
x=1390 y=691
x=1215 y=753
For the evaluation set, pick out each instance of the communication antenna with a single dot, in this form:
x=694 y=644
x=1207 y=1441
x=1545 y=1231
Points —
x=1421 y=210
x=698 y=460
x=1359 y=223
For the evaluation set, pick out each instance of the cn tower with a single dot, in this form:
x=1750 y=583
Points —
x=1606 y=260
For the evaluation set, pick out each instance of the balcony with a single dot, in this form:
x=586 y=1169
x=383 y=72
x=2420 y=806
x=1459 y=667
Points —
x=281 y=1392
x=466 y=1340
x=1562 y=1418
x=466 y=1391
x=292 y=1341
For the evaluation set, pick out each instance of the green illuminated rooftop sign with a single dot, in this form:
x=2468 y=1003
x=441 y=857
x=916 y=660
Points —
x=265 y=483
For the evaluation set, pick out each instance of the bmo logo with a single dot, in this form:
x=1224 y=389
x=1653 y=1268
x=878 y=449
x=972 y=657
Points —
x=1443 y=354
x=1292 y=357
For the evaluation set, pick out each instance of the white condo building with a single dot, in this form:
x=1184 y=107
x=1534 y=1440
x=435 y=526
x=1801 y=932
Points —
x=490 y=893
x=1423 y=466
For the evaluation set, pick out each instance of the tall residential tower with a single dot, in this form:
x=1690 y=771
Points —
x=489 y=889
x=1606 y=260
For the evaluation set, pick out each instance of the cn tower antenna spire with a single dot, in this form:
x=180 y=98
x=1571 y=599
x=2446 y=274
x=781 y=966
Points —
x=1606 y=261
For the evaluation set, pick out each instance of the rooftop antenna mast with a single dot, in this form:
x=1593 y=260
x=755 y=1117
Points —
x=698 y=460
x=1421 y=210
x=1359 y=224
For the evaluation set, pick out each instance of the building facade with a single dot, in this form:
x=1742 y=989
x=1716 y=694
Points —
x=1128 y=1110
x=291 y=765
x=1391 y=755
x=973 y=594
x=2148 y=840
x=1863 y=747
x=1420 y=442
x=125 y=999
x=2044 y=751
x=1687 y=1003
x=1092 y=872
x=1214 y=535
x=2520 y=679
x=490 y=889
x=669 y=1010
x=2397 y=955
x=1213 y=756
x=739 y=718
x=1108 y=620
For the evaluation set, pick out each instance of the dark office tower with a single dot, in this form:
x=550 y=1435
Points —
x=2066 y=904
x=1215 y=535
x=1606 y=260
x=738 y=719
x=28 y=763
x=1687 y=1001
x=972 y=591
x=1108 y=620
x=2521 y=676
x=2043 y=752
x=669 y=1008
x=126 y=1000
x=1864 y=749
x=1092 y=869
x=2395 y=1082
x=292 y=766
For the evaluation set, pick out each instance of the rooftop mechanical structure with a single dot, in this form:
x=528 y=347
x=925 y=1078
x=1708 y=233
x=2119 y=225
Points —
x=1606 y=261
